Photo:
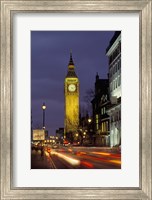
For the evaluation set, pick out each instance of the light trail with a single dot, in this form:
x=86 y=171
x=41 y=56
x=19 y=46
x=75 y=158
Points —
x=50 y=160
x=115 y=161
x=70 y=160
x=101 y=153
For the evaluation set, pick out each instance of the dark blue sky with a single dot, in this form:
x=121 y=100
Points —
x=50 y=53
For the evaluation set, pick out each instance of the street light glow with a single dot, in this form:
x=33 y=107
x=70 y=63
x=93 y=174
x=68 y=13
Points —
x=44 y=107
x=89 y=120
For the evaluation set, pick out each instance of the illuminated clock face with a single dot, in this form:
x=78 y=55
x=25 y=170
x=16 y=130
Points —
x=72 y=88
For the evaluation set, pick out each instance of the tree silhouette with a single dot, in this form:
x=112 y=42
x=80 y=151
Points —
x=89 y=95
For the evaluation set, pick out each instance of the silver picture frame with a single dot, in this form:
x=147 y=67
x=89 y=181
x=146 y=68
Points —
x=8 y=9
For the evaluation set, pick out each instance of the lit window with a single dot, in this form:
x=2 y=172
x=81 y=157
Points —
x=107 y=125
x=97 y=126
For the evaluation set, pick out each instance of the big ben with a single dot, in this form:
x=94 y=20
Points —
x=71 y=95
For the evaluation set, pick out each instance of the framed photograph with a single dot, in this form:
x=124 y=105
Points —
x=71 y=129
x=66 y=133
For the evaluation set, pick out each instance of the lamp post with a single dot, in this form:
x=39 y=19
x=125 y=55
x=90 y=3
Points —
x=43 y=108
x=89 y=123
x=89 y=129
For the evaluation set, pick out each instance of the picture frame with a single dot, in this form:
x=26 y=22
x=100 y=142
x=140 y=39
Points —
x=8 y=9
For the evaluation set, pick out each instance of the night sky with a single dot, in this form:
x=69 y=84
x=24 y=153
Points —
x=50 y=54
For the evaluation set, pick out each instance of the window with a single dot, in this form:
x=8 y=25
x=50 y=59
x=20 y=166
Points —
x=113 y=70
x=101 y=111
x=106 y=125
x=97 y=121
x=120 y=46
x=110 y=87
x=119 y=64
x=119 y=80
x=102 y=127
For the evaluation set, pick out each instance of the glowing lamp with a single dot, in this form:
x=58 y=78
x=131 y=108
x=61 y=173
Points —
x=89 y=120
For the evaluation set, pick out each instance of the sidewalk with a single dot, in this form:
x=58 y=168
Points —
x=38 y=162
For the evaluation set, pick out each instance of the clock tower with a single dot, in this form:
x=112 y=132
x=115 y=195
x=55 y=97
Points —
x=71 y=95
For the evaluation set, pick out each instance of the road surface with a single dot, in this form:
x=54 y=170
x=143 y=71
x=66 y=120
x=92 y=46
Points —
x=76 y=158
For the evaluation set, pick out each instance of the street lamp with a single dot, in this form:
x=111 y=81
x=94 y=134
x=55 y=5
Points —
x=84 y=134
x=89 y=124
x=89 y=120
x=43 y=108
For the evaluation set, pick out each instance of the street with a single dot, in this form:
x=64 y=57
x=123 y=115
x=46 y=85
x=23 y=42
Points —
x=76 y=158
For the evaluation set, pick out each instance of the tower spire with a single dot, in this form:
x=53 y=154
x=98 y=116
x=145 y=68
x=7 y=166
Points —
x=71 y=60
x=97 y=76
x=71 y=71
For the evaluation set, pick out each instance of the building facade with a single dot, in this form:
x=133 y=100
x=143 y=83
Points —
x=114 y=111
x=86 y=130
x=105 y=122
x=100 y=117
x=71 y=94
x=60 y=135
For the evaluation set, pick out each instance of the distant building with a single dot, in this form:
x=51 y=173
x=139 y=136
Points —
x=114 y=111
x=86 y=130
x=60 y=132
x=100 y=117
x=46 y=133
x=60 y=135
